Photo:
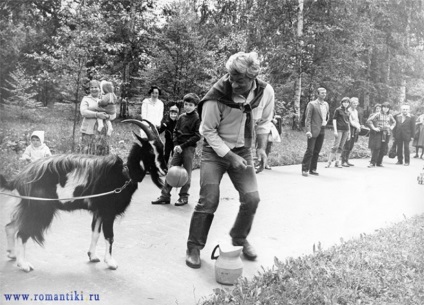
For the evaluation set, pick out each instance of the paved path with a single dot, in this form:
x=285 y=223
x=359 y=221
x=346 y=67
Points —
x=295 y=212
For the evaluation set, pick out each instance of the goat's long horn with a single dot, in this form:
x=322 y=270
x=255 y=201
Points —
x=153 y=127
x=140 y=124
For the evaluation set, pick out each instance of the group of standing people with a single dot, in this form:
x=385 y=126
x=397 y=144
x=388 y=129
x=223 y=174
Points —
x=404 y=127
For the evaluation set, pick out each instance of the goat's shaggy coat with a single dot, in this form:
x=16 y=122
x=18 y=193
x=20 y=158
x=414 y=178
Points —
x=67 y=176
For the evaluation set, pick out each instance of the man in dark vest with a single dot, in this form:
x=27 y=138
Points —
x=233 y=107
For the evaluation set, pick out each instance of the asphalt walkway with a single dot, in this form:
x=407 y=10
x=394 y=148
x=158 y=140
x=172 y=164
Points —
x=295 y=213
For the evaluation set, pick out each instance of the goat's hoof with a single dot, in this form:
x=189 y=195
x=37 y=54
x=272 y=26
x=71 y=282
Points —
x=93 y=257
x=25 y=266
x=111 y=264
x=11 y=254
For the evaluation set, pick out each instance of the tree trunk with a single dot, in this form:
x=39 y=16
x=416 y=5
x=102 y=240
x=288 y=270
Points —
x=402 y=87
x=368 y=81
x=388 y=67
x=76 y=111
x=402 y=91
x=298 y=82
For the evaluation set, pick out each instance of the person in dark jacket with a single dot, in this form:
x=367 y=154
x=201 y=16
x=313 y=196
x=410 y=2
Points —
x=404 y=133
x=167 y=126
x=185 y=137
x=341 y=129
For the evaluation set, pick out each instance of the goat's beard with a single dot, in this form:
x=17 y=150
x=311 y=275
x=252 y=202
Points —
x=155 y=178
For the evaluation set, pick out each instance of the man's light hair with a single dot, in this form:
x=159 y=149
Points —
x=354 y=99
x=244 y=63
x=321 y=89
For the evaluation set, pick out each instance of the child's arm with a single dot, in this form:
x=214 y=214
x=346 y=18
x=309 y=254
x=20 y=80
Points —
x=47 y=152
x=27 y=154
x=175 y=132
x=104 y=101
x=162 y=127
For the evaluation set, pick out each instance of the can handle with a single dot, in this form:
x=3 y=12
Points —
x=213 y=252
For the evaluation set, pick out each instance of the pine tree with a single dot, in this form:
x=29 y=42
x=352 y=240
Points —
x=21 y=89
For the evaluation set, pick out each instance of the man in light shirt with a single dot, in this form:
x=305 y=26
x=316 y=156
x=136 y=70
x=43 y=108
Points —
x=233 y=107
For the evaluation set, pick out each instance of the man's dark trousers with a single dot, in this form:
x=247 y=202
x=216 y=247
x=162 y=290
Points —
x=403 y=147
x=313 y=149
x=403 y=133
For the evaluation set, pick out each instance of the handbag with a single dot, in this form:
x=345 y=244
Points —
x=392 y=152
x=275 y=137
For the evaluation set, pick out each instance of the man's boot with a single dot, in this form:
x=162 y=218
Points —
x=242 y=227
x=198 y=234
x=193 y=258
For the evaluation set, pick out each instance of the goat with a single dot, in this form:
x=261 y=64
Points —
x=65 y=176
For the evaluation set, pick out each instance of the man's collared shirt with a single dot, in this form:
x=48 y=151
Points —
x=405 y=116
x=323 y=112
x=223 y=127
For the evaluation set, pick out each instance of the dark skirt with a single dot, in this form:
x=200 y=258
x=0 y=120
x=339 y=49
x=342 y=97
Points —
x=94 y=144
x=419 y=137
x=376 y=139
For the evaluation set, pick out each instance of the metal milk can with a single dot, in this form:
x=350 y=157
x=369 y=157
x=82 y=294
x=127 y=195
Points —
x=228 y=265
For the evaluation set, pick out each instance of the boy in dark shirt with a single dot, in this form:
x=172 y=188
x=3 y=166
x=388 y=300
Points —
x=167 y=126
x=186 y=135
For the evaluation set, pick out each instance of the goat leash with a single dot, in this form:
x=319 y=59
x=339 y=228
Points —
x=116 y=191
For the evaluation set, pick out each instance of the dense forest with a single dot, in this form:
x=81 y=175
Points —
x=373 y=49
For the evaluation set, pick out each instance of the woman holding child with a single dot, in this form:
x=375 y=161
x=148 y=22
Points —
x=381 y=124
x=93 y=141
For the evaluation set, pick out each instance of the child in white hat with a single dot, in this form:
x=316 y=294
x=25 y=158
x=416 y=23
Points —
x=37 y=149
